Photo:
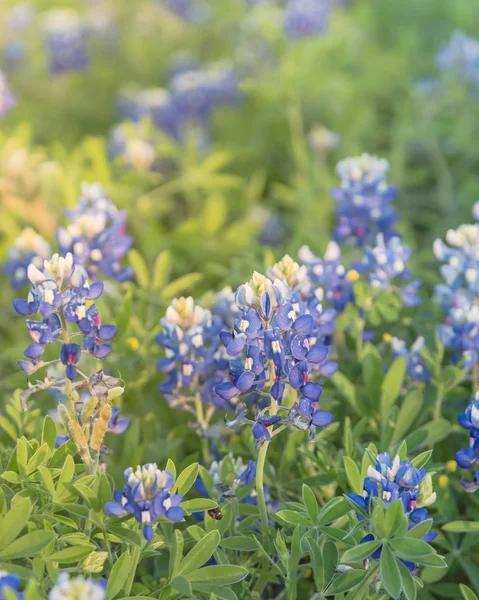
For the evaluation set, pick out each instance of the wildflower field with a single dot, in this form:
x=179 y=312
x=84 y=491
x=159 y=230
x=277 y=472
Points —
x=239 y=306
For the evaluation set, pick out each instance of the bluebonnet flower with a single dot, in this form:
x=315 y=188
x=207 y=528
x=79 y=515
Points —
x=415 y=363
x=155 y=103
x=60 y=293
x=364 y=200
x=7 y=98
x=386 y=263
x=278 y=341
x=460 y=55
x=468 y=458
x=184 y=9
x=197 y=92
x=96 y=236
x=458 y=295
x=330 y=273
x=10 y=583
x=29 y=247
x=228 y=480
x=194 y=361
x=393 y=479
x=304 y=18
x=147 y=496
x=77 y=588
x=65 y=38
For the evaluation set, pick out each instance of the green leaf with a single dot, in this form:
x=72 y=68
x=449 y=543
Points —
x=28 y=545
x=462 y=526
x=180 y=285
x=47 y=478
x=407 y=582
x=420 y=530
x=126 y=535
x=354 y=476
x=11 y=477
x=310 y=502
x=40 y=457
x=170 y=466
x=346 y=388
x=410 y=548
x=219 y=574
x=186 y=479
x=317 y=562
x=49 y=433
x=200 y=553
x=243 y=543
x=346 y=581
x=70 y=555
x=330 y=558
x=379 y=521
x=422 y=459
x=408 y=413
x=396 y=523
x=430 y=434
x=390 y=575
x=140 y=267
x=295 y=518
x=14 y=521
x=332 y=510
x=392 y=385
x=118 y=576
x=217 y=591
x=360 y=552
x=161 y=270
x=199 y=504
x=182 y=585
x=466 y=592
x=373 y=373
x=176 y=554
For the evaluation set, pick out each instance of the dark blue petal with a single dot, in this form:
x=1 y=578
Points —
x=322 y=418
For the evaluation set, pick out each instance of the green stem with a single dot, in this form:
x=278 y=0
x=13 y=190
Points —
x=205 y=450
x=439 y=399
x=475 y=377
x=234 y=514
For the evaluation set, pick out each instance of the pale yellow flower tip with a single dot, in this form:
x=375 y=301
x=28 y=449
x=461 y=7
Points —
x=387 y=338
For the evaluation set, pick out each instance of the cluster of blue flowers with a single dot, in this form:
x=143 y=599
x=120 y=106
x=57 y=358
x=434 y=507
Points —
x=10 y=584
x=65 y=40
x=460 y=55
x=147 y=496
x=414 y=360
x=364 y=201
x=305 y=18
x=468 y=458
x=394 y=479
x=279 y=340
x=194 y=361
x=458 y=295
x=241 y=476
x=187 y=106
x=331 y=275
x=7 y=98
x=62 y=295
x=96 y=236
x=386 y=263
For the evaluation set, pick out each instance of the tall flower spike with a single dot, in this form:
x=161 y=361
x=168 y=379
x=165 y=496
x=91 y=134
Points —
x=458 y=295
x=461 y=56
x=364 y=201
x=278 y=347
x=193 y=361
x=468 y=458
x=96 y=236
x=65 y=39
